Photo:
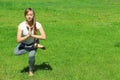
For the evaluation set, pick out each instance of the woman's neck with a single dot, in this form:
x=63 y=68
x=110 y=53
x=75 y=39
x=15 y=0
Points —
x=30 y=23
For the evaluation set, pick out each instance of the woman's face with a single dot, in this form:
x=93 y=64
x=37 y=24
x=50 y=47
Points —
x=29 y=16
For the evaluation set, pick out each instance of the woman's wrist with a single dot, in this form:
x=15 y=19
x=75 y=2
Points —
x=27 y=36
x=32 y=35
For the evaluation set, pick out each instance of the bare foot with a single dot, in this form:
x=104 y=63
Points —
x=30 y=73
x=39 y=46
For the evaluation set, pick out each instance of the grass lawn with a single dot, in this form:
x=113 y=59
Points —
x=83 y=40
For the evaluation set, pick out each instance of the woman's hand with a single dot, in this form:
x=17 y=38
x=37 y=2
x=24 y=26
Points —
x=30 y=31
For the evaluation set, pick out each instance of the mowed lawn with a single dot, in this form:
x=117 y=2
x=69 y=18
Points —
x=83 y=40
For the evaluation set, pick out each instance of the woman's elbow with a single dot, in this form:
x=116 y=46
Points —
x=18 y=41
x=44 y=37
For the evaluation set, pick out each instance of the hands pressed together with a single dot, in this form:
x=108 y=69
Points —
x=30 y=31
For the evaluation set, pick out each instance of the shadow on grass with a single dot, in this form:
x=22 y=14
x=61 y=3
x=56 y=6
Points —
x=43 y=66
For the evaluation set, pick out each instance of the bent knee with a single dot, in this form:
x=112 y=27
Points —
x=16 y=52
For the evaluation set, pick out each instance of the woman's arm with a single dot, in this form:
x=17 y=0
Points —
x=41 y=36
x=19 y=36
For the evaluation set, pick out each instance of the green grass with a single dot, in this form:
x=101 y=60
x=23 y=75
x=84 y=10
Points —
x=82 y=39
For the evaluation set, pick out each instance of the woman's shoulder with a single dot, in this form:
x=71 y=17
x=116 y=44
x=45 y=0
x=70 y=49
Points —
x=22 y=24
x=38 y=25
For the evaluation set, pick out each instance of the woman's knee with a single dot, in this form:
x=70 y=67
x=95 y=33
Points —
x=32 y=53
x=16 y=52
x=19 y=52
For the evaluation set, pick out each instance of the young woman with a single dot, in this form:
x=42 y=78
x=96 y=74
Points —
x=28 y=38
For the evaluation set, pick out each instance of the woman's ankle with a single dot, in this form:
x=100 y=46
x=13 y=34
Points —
x=30 y=73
